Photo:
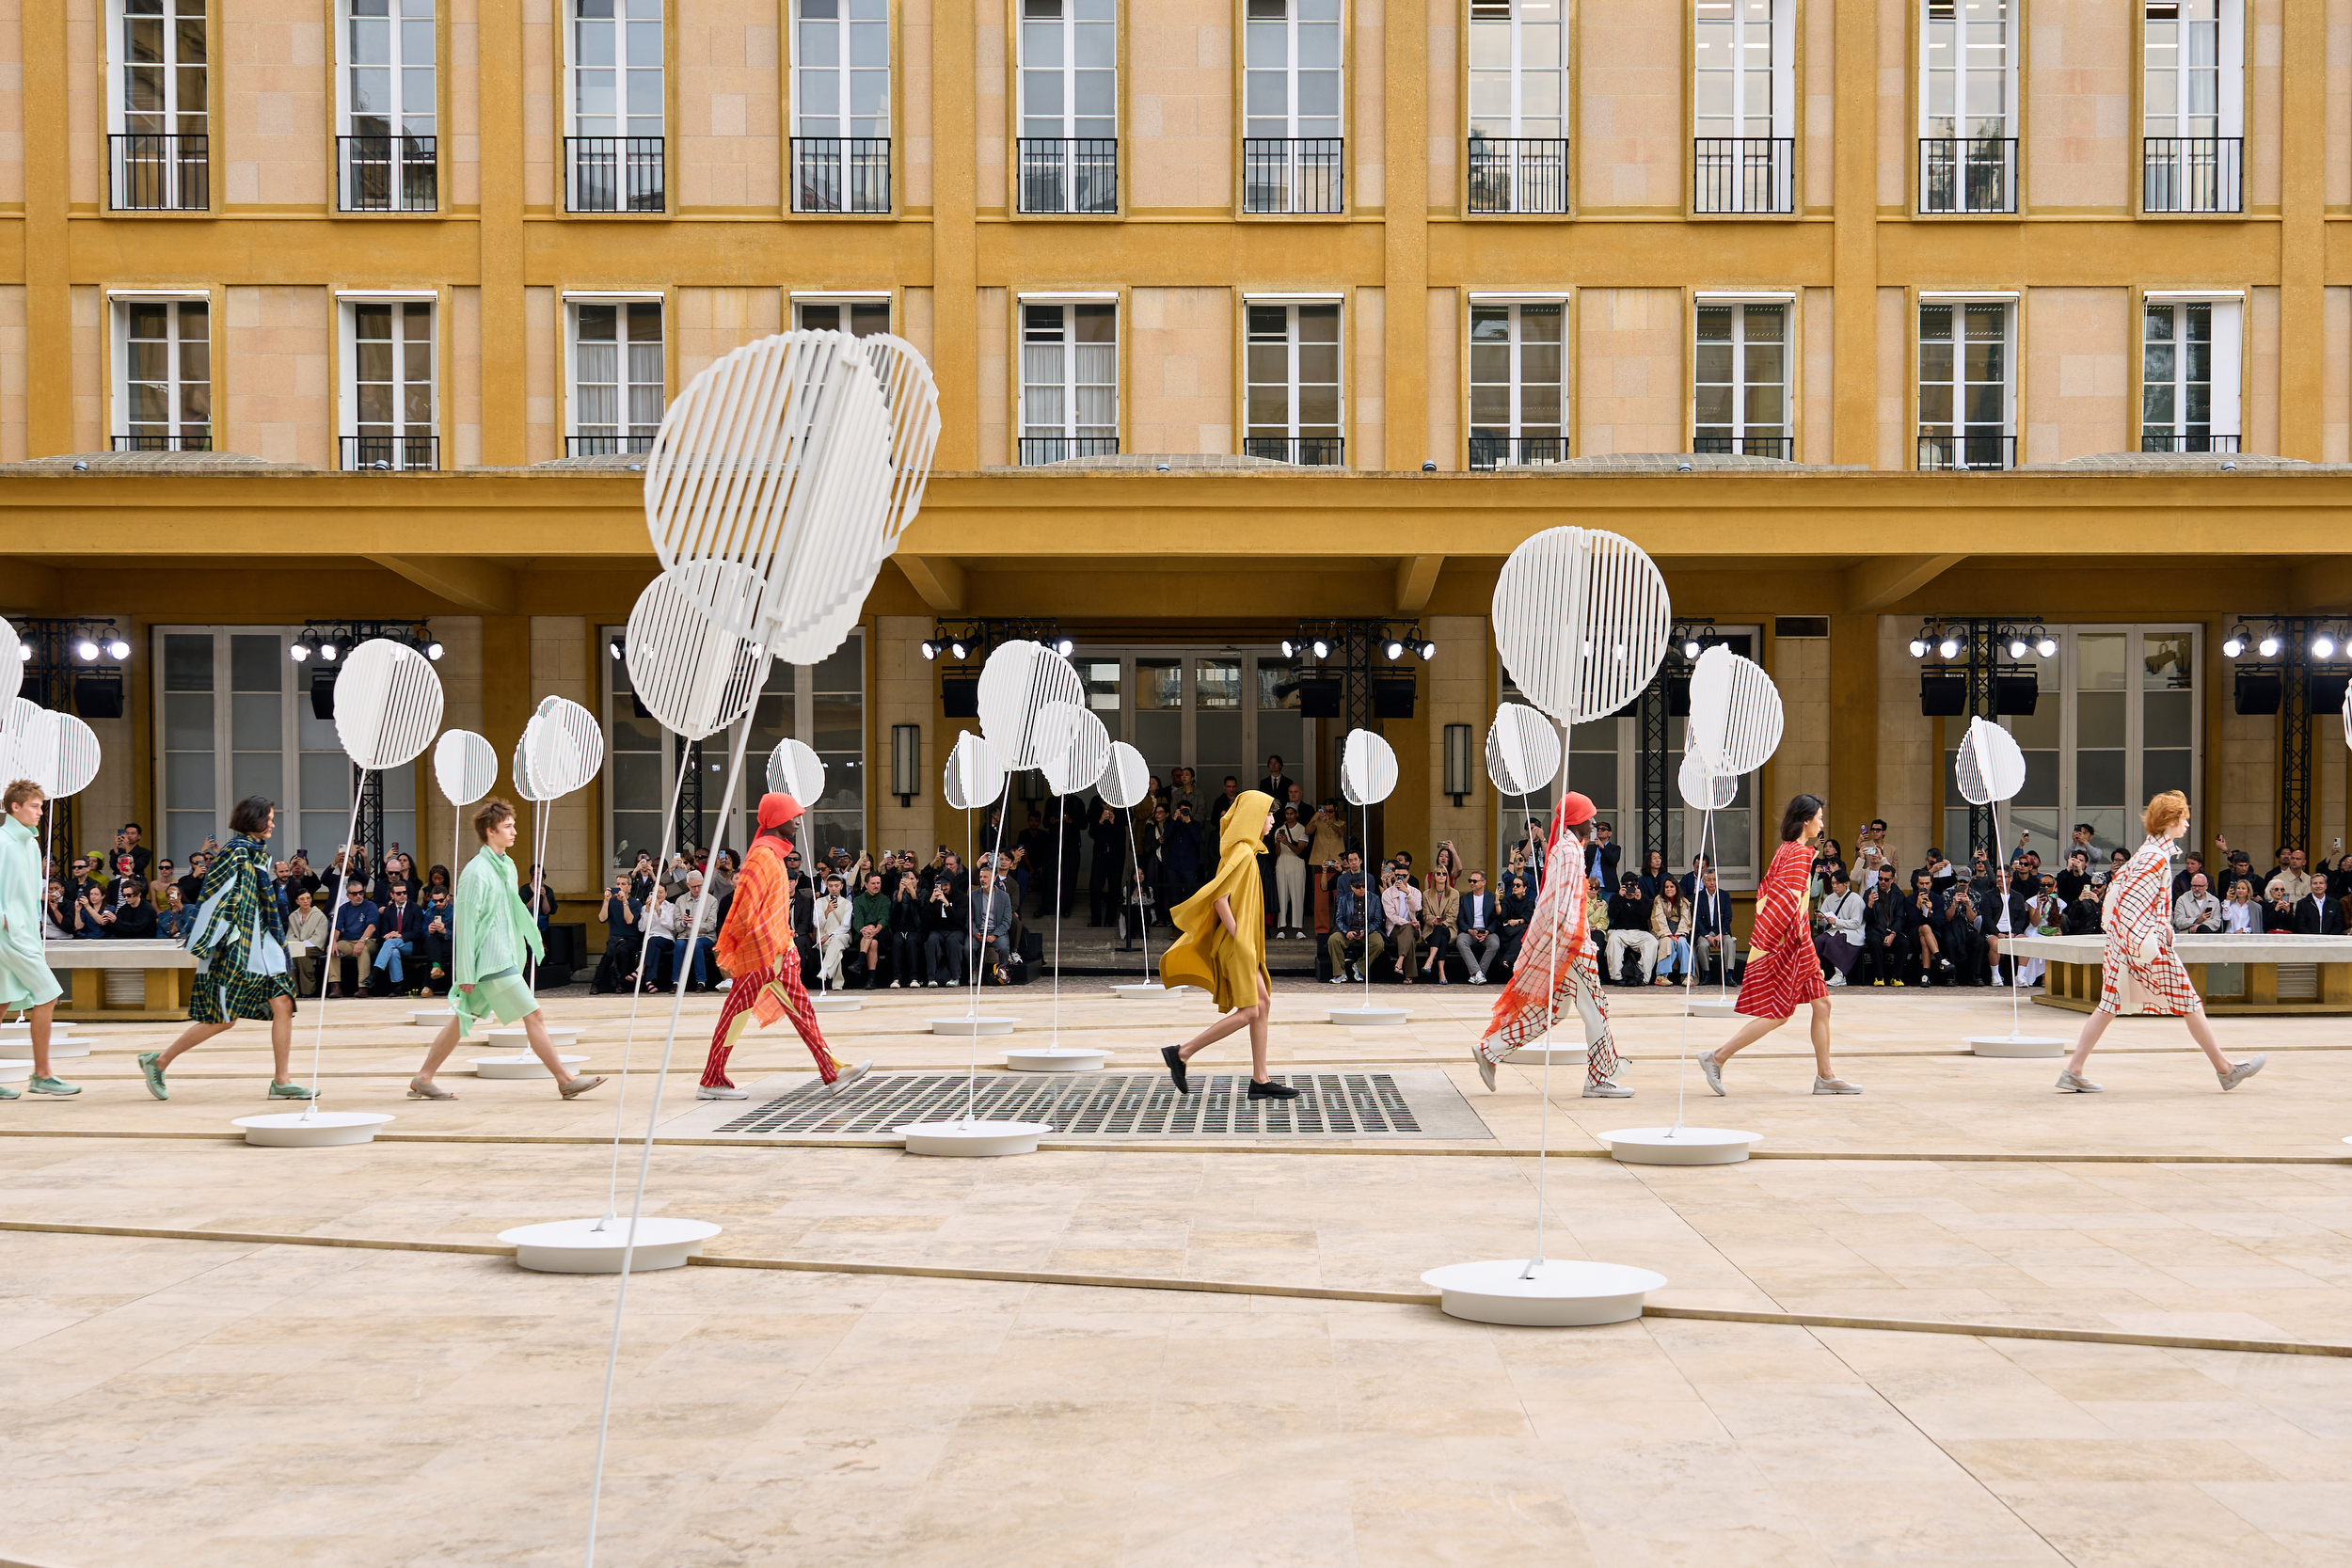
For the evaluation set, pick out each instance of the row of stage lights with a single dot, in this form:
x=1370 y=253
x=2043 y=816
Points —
x=87 y=648
x=1395 y=648
x=958 y=650
x=327 y=650
x=1947 y=642
x=2323 y=643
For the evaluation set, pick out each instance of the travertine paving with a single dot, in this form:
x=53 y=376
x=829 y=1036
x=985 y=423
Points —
x=202 y=1402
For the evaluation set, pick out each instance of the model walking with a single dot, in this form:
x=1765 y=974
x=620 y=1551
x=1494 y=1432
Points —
x=240 y=948
x=2139 y=940
x=1783 y=972
x=1557 y=965
x=1222 y=947
x=27 y=983
x=756 y=948
x=495 y=930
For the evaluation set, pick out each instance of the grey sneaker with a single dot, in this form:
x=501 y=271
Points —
x=2074 y=1083
x=2244 y=1071
x=1834 y=1085
x=1606 y=1091
x=1713 y=1071
x=724 y=1092
x=1485 y=1068
x=53 y=1086
x=155 y=1072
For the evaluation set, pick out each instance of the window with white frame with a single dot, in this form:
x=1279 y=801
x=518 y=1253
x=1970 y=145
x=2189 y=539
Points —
x=1517 y=407
x=1743 y=118
x=841 y=105
x=860 y=318
x=1069 y=381
x=1068 y=86
x=1968 y=105
x=1967 y=384
x=389 y=106
x=160 y=104
x=163 y=376
x=2189 y=388
x=1519 y=104
x=389 y=402
x=1740 y=375
x=618 y=381
x=616 y=114
x=2193 y=105
x=1292 y=387
x=1291 y=124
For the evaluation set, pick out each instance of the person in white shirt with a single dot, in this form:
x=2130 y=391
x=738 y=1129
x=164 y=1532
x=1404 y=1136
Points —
x=2197 y=910
x=1475 y=936
x=1400 y=906
x=1839 y=941
x=832 y=934
x=659 y=926
x=2240 y=913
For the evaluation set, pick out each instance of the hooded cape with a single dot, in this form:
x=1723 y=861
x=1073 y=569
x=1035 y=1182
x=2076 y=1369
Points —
x=1225 y=964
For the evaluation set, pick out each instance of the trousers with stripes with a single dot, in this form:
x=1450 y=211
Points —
x=786 y=977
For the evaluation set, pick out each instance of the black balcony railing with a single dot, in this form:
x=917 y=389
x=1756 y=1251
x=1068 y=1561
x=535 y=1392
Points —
x=1719 y=444
x=159 y=173
x=1968 y=174
x=1308 y=452
x=1966 y=452
x=1518 y=175
x=1069 y=174
x=187 y=441
x=1500 y=451
x=1743 y=174
x=2193 y=440
x=1294 y=174
x=1036 y=450
x=604 y=446
x=615 y=174
x=396 y=454
x=2192 y=174
x=389 y=174
x=841 y=174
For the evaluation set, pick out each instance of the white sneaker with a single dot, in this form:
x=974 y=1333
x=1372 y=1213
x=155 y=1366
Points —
x=2242 y=1071
x=1834 y=1085
x=723 y=985
x=1835 y=980
x=1485 y=1068
x=1606 y=1091
x=1339 y=980
x=2069 y=1083
x=707 y=1093
x=848 y=1076
x=1477 y=978
x=1713 y=1071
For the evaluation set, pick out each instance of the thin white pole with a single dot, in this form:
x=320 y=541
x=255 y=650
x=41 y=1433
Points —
x=1552 y=1001
x=636 y=989
x=334 y=959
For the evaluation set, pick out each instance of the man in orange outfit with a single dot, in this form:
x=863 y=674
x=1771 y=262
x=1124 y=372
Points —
x=756 y=948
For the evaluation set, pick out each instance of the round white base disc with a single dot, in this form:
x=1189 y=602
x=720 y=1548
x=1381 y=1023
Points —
x=432 y=1018
x=314 y=1130
x=1561 y=1293
x=829 y=1002
x=577 y=1246
x=15 y=1072
x=1563 y=1054
x=972 y=1139
x=1692 y=1145
x=1151 y=991
x=1727 y=1007
x=964 y=1023
x=22 y=1029
x=1068 y=1059
x=20 y=1048
x=2018 y=1045
x=517 y=1038
x=1369 y=1015
x=525 y=1065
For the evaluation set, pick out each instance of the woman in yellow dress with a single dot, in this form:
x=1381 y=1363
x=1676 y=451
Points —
x=1222 y=947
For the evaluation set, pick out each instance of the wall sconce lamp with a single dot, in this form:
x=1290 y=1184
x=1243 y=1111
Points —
x=1459 y=769
x=906 y=762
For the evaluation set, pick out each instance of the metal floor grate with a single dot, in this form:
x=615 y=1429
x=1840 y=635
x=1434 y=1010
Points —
x=1112 y=1104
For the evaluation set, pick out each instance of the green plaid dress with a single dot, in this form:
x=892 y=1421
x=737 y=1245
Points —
x=235 y=905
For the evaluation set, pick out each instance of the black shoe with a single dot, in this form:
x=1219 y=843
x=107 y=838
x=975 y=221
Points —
x=1271 y=1090
x=1176 y=1068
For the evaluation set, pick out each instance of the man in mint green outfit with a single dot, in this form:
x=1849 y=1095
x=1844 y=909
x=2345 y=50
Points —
x=27 y=984
x=495 y=931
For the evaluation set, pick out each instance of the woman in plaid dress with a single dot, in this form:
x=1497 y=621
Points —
x=239 y=939
x=2139 y=940
x=1782 y=970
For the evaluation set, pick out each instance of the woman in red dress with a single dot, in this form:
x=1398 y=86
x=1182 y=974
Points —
x=1783 y=972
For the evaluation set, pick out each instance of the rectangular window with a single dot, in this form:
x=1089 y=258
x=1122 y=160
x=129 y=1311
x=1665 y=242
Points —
x=1292 y=89
x=1518 y=412
x=159 y=139
x=1519 y=149
x=1069 y=150
x=1069 y=382
x=163 y=376
x=1294 y=385
x=1968 y=106
x=841 y=105
x=2188 y=386
x=1966 y=382
x=388 y=377
x=1740 y=370
x=618 y=385
x=613 y=150
x=387 y=147
x=2193 y=106
x=860 y=318
x=1742 y=121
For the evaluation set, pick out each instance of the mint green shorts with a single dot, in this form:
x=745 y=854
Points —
x=505 y=997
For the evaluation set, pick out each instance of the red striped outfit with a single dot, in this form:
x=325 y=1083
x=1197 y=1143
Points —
x=2139 y=905
x=1783 y=972
x=757 y=950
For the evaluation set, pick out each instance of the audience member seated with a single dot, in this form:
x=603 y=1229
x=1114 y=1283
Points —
x=1400 y=916
x=2318 y=914
x=1478 y=935
x=990 y=920
x=356 y=923
x=1629 y=930
x=134 y=917
x=1513 y=910
x=620 y=909
x=1440 y=912
x=1355 y=943
x=1886 y=939
x=402 y=924
x=1838 y=937
x=436 y=947
x=1670 y=925
x=2196 y=909
x=1923 y=920
x=944 y=929
x=1712 y=945
x=1963 y=946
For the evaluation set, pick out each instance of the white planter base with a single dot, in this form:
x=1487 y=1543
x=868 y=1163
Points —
x=1561 y=1293
x=1688 y=1146
x=578 y=1246
x=15 y=1072
x=22 y=1029
x=972 y=1139
x=432 y=1018
x=1046 y=1058
x=1151 y=991
x=1363 y=1015
x=1559 y=1053
x=19 y=1048
x=834 y=1001
x=312 y=1129
x=965 y=1023
x=516 y=1038
x=2018 y=1045
x=1714 y=1007
x=525 y=1065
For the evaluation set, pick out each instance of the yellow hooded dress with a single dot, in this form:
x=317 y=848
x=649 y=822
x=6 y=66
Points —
x=1224 y=965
